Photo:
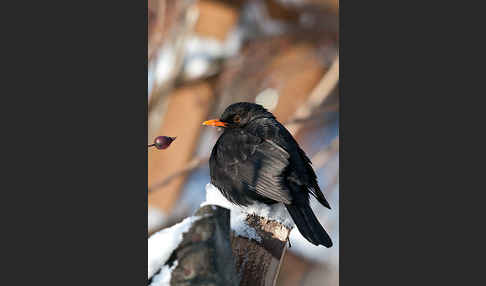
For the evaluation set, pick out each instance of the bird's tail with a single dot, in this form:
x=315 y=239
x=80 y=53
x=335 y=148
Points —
x=308 y=224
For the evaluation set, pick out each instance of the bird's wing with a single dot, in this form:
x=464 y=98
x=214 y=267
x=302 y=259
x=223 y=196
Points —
x=259 y=163
x=302 y=172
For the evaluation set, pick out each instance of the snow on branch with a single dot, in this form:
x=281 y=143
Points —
x=258 y=239
x=239 y=224
x=222 y=244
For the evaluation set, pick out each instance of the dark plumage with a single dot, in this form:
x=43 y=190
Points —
x=256 y=158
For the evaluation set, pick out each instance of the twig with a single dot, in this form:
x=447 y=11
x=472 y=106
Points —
x=157 y=34
x=193 y=164
x=320 y=159
x=316 y=115
x=318 y=95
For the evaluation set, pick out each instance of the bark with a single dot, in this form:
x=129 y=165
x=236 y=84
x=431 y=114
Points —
x=204 y=256
x=258 y=263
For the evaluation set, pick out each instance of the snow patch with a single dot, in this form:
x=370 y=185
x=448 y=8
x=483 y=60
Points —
x=197 y=68
x=212 y=48
x=163 y=278
x=202 y=54
x=276 y=212
x=162 y=244
x=165 y=65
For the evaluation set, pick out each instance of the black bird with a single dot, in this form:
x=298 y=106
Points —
x=257 y=159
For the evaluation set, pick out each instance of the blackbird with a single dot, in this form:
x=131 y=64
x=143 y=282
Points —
x=257 y=159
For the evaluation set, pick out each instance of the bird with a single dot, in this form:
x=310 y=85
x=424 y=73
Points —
x=257 y=159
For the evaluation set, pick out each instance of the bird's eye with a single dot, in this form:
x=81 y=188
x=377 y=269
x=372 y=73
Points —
x=236 y=119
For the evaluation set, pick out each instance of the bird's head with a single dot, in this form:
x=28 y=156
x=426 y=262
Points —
x=238 y=115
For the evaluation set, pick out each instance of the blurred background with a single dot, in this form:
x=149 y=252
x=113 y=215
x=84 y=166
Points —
x=204 y=55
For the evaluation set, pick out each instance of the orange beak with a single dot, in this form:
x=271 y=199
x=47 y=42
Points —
x=214 y=122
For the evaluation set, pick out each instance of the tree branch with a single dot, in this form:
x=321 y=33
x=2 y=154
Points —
x=317 y=97
x=193 y=164
x=258 y=263
x=204 y=256
x=321 y=158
